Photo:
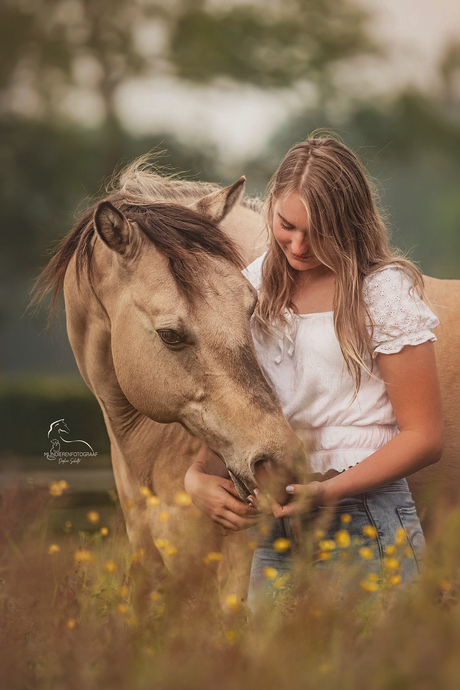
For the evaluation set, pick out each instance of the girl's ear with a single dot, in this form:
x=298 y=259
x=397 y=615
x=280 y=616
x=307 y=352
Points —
x=215 y=206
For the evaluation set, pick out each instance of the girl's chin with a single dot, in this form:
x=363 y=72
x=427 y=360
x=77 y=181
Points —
x=303 y=264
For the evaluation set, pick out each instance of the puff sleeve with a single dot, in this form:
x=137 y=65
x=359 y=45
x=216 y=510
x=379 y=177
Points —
x=398 y=316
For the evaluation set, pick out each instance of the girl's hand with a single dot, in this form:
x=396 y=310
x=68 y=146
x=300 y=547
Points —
x=306 y=497
x=217 y=498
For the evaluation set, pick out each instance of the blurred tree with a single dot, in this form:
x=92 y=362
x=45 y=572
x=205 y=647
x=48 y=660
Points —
x=270 y=43
x=71 y=56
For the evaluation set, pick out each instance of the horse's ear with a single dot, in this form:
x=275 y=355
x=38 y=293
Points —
x=217 y=205
x=113 y=227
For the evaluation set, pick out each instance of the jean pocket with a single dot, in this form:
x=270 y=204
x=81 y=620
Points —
x=414 y=533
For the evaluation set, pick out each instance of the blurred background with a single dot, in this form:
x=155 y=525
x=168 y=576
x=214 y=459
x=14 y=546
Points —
x=223 y=88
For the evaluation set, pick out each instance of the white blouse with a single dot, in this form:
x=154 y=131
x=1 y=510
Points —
x=305 y=365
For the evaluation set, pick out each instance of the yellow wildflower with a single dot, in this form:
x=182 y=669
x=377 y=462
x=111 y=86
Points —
x=93 y=516
x=445 y=585
x=104 y=531
x=123 y=591
x=270 y=573
x=63 y=484
x=325 y=555
x=164 y=517
x=373 y=577
x=395 y=580
x=215 y=556
x=152 y=501
x=391 y=563
x=230 y=636
x=170 y=550
x=281 y=582
x=122 y=608
x=144 y=491
x=370 y=586
x=390 y=550
x=53 y=548
x=281 y=544
x=342 y=538
x=370 y=531
x=155 y=596
x=327 y=545
x=400 y=536
x=366 y=553
x=129 y=504
x=110 y=566
x=319 y=533
x=55 y=489
x=183 y=499
x=159 y=611
x=138 y=555
x=345 y=518
x=161 y=543
x=71 y=623
x=83 y=556
x=232 y=603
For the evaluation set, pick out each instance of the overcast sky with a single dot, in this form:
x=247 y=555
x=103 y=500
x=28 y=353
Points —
x=241 y=119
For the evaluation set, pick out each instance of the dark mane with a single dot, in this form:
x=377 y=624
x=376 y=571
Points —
x=183 y=236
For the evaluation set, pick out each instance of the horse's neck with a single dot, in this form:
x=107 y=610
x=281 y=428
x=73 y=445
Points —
x=140 y=447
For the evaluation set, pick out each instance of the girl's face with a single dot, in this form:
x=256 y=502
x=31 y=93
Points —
x=291 y=231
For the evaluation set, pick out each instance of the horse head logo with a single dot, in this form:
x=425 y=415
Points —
x=55 y=435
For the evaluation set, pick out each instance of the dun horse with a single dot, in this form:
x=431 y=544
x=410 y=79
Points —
x=158 y=319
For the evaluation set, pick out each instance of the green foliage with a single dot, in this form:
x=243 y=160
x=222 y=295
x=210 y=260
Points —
x=28 y=405
x=47 y=173
x=270 y=43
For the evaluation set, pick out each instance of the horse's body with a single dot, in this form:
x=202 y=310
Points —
x=119 y=310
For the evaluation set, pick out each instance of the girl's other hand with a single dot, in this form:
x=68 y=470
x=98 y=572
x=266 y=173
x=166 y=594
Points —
x=305 y=498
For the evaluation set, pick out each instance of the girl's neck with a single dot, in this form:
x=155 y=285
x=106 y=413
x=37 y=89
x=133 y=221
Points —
x=315 y=290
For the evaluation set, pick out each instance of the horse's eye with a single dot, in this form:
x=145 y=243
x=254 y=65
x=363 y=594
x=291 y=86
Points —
x=170 y=337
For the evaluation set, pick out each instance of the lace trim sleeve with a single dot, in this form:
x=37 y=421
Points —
x=398 y=315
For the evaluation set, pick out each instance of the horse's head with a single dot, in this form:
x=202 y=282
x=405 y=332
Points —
x=170 y=282
x=58 y=427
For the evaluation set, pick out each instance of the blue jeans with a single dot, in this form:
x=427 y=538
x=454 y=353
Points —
x=388 y=516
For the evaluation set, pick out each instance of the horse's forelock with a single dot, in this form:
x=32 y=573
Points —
x=181 y=234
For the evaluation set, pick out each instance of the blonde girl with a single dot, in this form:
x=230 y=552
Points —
x=344 y=336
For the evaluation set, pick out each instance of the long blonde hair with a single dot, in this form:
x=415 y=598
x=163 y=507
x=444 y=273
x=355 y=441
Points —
x=347 y=234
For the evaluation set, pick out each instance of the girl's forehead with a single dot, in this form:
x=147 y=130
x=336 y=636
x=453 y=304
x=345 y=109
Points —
x=292 y=208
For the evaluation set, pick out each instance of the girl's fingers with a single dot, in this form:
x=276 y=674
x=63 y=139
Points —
x=237 y=522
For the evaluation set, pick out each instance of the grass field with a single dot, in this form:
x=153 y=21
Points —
x=69 y=618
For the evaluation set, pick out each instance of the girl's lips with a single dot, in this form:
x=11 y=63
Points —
x=302 y=257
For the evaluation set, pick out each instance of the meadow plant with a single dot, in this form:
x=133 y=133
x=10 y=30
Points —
x=70 y=617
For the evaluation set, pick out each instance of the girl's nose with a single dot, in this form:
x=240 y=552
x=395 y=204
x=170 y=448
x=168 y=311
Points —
x=299 y=244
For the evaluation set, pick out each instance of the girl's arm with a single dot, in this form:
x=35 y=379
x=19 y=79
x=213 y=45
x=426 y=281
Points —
x=412 y=384
x=213 y=492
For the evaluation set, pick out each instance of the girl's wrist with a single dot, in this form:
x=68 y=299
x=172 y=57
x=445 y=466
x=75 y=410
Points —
x=330 y=492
